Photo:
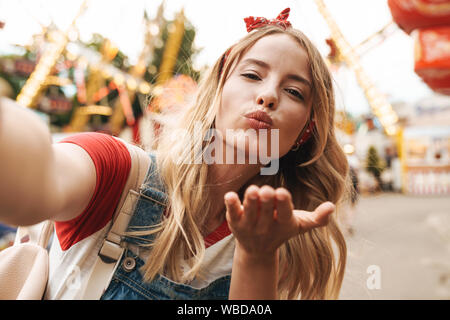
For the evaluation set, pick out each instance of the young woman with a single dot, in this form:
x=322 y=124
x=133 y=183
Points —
x=200 y=230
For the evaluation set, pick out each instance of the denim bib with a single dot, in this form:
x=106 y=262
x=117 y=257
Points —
x=127 y=282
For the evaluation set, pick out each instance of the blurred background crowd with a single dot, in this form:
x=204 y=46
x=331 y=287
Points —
x=117 y=66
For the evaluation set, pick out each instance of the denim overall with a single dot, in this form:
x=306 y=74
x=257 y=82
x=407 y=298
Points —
x=127 y=282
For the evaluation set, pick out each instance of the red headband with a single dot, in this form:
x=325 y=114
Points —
x=252 y=23
x=258 y=22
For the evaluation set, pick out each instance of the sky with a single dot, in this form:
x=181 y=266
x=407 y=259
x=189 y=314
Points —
x=219 y=24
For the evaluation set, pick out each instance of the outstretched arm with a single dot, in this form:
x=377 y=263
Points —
x=261 y=225
x=39 y=180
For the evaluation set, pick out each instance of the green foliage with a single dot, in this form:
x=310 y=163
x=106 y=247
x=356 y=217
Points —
x=184 y=62
x=15 y=81
x=96 y=43
x=185 y=54
x=374 y=164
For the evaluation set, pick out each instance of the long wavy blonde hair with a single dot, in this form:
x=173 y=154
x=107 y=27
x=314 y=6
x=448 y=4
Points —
x=311 y=264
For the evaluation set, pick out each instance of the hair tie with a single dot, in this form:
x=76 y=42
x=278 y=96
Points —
x=258 y=22
x=252 y=23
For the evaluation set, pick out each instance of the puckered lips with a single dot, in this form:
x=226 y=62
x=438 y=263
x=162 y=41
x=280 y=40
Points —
x=259 y=120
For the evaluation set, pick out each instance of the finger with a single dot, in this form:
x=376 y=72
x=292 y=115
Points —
x=284 y=204
x=233 y=206
x=266 y=197
x=251 y=204
x=322 y=213
x=319 y=217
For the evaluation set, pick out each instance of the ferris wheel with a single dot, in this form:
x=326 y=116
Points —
x=342 y=51
x=428 y=22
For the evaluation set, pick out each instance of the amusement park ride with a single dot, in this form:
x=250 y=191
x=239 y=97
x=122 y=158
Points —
x=128 y=85
x=380 y=107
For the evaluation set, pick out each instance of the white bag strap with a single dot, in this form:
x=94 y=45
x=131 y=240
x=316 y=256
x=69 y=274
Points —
x=111 y=250
x=38 y=234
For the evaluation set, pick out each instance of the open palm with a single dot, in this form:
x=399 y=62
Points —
x=267 y=218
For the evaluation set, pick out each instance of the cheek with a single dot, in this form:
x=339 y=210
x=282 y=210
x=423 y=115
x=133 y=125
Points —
x=223 y=116
x=231 y=106
x=291 y=131
x=230 y=95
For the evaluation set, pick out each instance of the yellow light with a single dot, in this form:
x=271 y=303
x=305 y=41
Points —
x=45 y=60
x=105 y=72
x=385 y=109
x=378 y=102
x=371 y=92
x=71 y=55
x=176 y=31
x=154 y=29
x=23 y=100
x=33 y=86
x=349 y=149
x=390 y=119
x=119 y=79
x=392 y=130
x=72 y=34
x=144 y=88
x=40 y=75
x=157 y=90
x=171 y=28
x=96 y=109
x=131 y=84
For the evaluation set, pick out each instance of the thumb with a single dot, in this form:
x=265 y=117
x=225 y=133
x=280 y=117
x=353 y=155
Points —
x=318 y=218
x=322 y=213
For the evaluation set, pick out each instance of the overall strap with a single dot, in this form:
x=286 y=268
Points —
x=152 y=178
x=153 y=188
x=150 y=207
x=111 y=250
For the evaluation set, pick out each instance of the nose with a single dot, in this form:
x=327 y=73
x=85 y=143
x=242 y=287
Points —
x=268 y=99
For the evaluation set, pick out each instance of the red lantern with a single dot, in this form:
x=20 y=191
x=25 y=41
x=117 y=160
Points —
x=432 y=58
x=414 y=14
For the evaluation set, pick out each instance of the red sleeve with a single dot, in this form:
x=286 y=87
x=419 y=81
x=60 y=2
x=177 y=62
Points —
x=112 y=164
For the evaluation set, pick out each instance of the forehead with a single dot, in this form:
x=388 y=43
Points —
x=279 y=50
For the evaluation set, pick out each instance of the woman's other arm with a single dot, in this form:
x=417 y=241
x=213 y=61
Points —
x=254 y=277
x=261 y=225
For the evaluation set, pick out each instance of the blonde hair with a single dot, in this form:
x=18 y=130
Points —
x=316 y=173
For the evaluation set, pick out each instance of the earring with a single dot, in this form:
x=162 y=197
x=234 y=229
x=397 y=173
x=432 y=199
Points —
x=297 y=145
x=305 y=135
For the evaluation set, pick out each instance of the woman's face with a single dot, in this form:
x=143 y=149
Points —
x=272 y=77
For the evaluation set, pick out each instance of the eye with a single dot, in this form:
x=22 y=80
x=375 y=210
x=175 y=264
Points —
x=295 y=93
x=251 y=76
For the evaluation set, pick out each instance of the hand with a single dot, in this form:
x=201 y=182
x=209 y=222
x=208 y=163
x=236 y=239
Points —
x=267 y=219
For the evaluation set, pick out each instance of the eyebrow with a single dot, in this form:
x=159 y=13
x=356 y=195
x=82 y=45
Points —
x=266 y=66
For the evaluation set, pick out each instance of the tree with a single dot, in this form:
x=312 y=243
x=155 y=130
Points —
x=185 y=55
x=375 y=165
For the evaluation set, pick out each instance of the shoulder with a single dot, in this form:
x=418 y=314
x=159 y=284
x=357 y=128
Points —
x=111 y=164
